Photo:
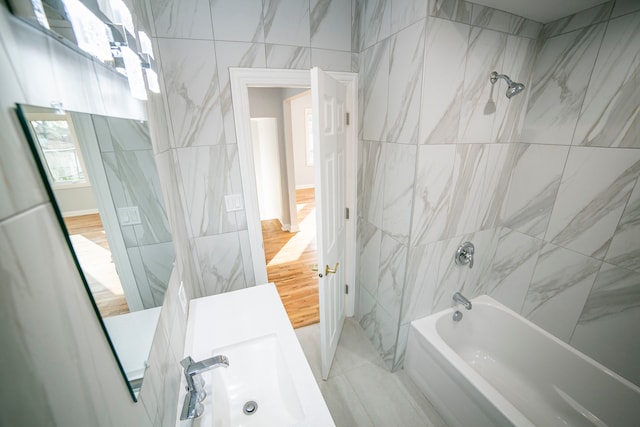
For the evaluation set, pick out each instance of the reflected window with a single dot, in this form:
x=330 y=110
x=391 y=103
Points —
x=60 y=151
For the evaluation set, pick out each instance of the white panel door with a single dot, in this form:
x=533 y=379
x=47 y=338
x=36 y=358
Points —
x=328 y=101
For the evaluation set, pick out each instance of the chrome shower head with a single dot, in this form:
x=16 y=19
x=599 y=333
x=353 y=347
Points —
x=513 y=89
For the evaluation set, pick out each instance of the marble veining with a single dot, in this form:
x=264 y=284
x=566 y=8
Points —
x=374 y=90
x=578 y=20
x=455 y=10
x=533 y=186
x=523 y=27
x=443 y=83
x=593 y=193
x=487 y=17
x=393 y=259
x=380 y=327
x=334 y=60
x=623 y=7
x=398 y=190
x=485 y=52
x=377 y=21
x=204 y=192
x=369 y=239
x=220 y=261
x=371 y=181
x=433 y=192
x=187 y=20
x=610 y=114
x=287 y=22
x=422 y=276
x=624 y=250
x=289 y=57
x=406 y=12
x=559 y=83
x=193 y=94
x=405 y=83
x=559 y=288
x=331 y=24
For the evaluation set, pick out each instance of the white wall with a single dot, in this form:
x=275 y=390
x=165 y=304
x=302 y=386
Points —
x=266 y=159
x=304 y=174
x=76 y=200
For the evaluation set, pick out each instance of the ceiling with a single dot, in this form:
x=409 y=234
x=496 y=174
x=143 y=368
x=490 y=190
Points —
x=541 y=10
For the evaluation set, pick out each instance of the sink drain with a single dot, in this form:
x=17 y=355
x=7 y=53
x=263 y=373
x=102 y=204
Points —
x=250 y=408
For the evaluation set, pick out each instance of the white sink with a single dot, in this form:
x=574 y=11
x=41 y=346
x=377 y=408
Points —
x=266 y=363
x=258 y=377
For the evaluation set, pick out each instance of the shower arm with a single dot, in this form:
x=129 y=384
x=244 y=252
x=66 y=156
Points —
x=494 y=76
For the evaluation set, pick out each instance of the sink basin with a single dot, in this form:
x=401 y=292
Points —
x=257 y=373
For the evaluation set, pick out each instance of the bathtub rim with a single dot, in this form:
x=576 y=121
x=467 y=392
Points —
x=464 y=375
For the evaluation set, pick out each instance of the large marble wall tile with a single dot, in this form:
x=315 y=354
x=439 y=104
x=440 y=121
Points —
x=287 y=22
x=454 y=10
x=116 y=95
x=332 y=60
x=289 y=57
x=190 y=78
x=453 y=278
x=374 y=89
x=510 y=113
x=220 y=260
x=445 y=58
x=401 y=347
x=433 y=192
x=158 y=262
x=612 y=311
x=559 y=83
x=377 y=22
x=533 y=187
x=397 y=194
x=331 y=24
x=235 y=54
x=380 y=326
x=581 y=19
x=485 y=54
x=357 y=27
x=127 y=135
x=238 y=20
x=624 y=250
x=22 y=186
x=423 y=268
x=512 y=268
x=489 y=18
x=406 y=12
x=205 y=176
x=369 y=239
x=559 y=288
x=141 y=279
x=393 y=261
x=182 y=19
x=623 y=7
x=595 y=187
x=371 y=181
x=610 y=116
x=523 y=27
x=247 y=262
x=405 y=84
x=235 y=178
x=51 y=334
x=480 y=178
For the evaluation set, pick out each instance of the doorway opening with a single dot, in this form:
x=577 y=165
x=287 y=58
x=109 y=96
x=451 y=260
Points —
x=282 y=148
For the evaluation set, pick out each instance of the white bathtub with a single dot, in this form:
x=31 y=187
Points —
x=495 y=368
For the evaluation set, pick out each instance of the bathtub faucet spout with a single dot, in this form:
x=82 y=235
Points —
x=458 y=298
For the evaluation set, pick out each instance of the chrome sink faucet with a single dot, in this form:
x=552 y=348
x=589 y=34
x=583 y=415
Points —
x=192 y=406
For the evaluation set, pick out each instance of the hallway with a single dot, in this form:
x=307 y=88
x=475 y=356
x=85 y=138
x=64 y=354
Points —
x=289 y=259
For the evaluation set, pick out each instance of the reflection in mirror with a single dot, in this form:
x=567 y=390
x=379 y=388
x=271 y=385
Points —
x=102 y=177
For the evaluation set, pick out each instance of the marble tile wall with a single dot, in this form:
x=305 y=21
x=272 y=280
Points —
x=49 y=331
x=435 y=154
x=196 y=103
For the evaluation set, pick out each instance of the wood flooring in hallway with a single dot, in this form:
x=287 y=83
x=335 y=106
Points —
x=289 y=259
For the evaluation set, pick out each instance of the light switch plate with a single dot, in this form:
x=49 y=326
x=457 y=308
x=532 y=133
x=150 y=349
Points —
x=233 y=202
x=129 y=215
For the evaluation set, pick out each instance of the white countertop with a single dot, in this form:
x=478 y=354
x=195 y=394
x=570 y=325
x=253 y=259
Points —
x=226 y=319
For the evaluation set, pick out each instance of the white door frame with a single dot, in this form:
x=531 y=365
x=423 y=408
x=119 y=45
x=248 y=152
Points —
x=241 y=80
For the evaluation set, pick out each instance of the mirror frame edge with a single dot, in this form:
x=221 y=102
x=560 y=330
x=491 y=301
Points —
x=56 y=209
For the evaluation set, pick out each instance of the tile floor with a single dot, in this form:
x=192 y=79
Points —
x=360 y=391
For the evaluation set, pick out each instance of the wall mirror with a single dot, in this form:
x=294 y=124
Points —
x=101 y=176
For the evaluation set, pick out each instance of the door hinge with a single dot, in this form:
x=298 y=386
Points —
x=346 y=289
x=346 y=213
x=347 y=119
